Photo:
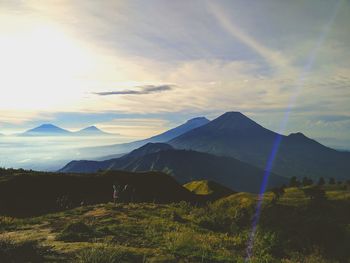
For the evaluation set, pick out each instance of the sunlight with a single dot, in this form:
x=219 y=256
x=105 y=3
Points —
x=41 y=68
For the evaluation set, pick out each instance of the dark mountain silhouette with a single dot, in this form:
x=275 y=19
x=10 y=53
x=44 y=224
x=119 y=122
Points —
x=184 y=166
x=127 y=147
x=34 y=193
x=235 y=135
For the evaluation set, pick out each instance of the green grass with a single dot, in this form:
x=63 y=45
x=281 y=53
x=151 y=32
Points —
x=293 y=229
x=205 y=187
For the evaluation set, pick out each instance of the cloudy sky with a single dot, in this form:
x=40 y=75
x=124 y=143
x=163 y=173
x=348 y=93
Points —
x=145 y=66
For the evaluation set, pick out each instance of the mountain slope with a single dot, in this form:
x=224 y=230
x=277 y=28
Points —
x=184 y=166
x=85 y=166
x=163 y=137
x=235 y=135
x=208 y=188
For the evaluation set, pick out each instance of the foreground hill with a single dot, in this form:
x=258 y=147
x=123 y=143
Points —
x=31 y=193
x=292 y=229
x=184 y=166
x=208 y=188
x=237 y=136
x=123 y=148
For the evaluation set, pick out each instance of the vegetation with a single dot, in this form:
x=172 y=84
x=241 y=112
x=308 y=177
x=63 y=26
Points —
x=209 y=188
x=299 y=226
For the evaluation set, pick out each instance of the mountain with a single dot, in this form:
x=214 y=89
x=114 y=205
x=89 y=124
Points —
x=91 y=131
x=235 y=135
x=120 y=163
x=184 y=166
x=46 y=130
x=127 y=147
x=208 y=188
x=177 y=131
x=52 y=130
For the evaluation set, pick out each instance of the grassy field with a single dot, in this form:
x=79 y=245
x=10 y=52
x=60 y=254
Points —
x=291 y=229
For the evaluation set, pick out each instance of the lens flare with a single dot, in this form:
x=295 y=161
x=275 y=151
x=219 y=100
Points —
x=298 y=87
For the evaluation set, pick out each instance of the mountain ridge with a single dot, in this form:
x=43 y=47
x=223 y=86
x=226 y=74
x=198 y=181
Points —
x=235 y=135
x=184 y=166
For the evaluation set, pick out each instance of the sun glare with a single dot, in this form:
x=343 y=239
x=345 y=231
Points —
x=41 y=68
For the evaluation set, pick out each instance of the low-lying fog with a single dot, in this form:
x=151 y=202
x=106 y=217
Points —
x=51 y=153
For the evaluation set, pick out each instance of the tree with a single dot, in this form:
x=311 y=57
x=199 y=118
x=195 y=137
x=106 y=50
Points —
x=306 y=181
x=331 y=180
x=321 y=181
x=293 y=182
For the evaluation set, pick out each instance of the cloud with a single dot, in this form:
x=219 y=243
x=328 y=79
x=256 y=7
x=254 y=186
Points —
x=275 y=59
x=148 y=89
x=333 y=118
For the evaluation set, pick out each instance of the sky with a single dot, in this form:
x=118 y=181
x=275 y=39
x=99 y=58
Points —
x=141 y=67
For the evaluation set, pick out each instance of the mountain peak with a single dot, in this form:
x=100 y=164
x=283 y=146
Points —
x=46 y=129
x=233 y=115
x=234 y=121
x=297 y=136
x=91 y=128
x=47 y=126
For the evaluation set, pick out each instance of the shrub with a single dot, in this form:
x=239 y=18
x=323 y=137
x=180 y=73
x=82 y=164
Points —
x=27 y=251
x=77 y=231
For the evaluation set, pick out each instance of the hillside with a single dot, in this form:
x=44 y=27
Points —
x=32 y=193
x=294 y=229
x=235 y=135
x=208 y=188
x=184 y=166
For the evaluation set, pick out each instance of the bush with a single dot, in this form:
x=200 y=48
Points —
x=76 y=232
x=27 y=251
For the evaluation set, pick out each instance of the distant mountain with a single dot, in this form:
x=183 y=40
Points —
x=46 y=130
x=208 y=188
x=235 y=135
x=184 y=166
x=163 y=137
x=177 y=131
x=52 y=130
x=120 y=163
x=91 y=131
